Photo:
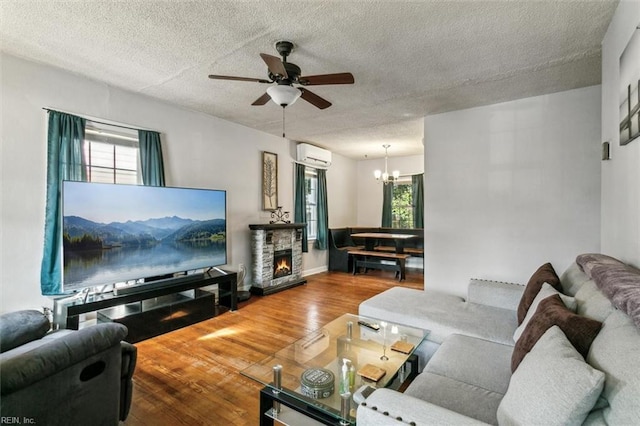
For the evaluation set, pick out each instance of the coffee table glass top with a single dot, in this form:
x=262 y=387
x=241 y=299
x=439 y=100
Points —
x=326 y=349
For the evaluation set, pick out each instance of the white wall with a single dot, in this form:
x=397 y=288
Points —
x=343 y=171
x=341 y=214
x=511 y=186
x=370 y=191
x=199 y=151
x=620 y=175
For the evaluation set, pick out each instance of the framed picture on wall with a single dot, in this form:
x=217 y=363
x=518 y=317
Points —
x=269 y=181
x=629 y=93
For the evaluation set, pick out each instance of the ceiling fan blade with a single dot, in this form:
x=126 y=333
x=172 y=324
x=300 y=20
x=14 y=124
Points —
x=227 y=77
x=314 y=99
x=262 y=99
x=315 y=80
x=275 y=65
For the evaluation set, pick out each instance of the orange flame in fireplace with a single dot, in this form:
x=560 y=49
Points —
x=282 y=267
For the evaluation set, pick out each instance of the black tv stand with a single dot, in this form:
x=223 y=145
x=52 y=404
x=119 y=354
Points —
x=152 y=308
x=161 y=283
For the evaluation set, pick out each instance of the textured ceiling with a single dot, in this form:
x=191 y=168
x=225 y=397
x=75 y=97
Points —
x=409 y=58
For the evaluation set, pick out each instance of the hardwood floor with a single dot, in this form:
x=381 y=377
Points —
x=191 y=376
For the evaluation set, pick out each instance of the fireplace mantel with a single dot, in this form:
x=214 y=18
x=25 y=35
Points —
x=273 y=226
x=266 y=241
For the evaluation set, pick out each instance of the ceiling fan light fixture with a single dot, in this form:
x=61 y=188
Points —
x=283 y=94
x=285 y=74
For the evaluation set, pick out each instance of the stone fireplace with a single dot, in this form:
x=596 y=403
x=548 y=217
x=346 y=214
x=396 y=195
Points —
x=276 y=257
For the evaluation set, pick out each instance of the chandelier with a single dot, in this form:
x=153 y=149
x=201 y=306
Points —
x=384 y=176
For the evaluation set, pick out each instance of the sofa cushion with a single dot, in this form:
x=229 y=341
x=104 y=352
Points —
x=552 y=386
x=498 y=294
x=592 y=303
x=475 y=361
x=572 y=279
x=544 y=292
x=544 y=274
x=20 y=327
x=467 y=375
x=464 y=398
x=551 y=311
x=441 y=314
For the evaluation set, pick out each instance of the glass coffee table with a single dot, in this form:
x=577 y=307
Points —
x=307 y=376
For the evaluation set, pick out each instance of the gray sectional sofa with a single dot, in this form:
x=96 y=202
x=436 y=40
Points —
x=480 y=366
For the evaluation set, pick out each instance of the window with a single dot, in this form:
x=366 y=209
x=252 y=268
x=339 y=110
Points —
x=402 y=204
x=111 y=154
x=311 y=187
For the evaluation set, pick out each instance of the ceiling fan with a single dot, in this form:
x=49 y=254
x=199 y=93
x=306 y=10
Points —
x=286 y=74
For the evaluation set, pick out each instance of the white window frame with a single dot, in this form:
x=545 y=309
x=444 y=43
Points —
x=120 y=140
x=311 y=203
x=406 y=181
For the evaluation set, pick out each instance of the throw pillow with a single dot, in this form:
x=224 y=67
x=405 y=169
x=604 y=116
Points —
x=544 y=274
x=552 y=386
x=551 y=311
x=621 y=285
x=588 y=261
x=545 y=291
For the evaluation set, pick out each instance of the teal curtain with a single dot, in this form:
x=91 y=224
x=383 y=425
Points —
x=387 y=198
x=322 y=240
x=417 y=194
x=151 y=163
x=65 y=161
x=300 y=205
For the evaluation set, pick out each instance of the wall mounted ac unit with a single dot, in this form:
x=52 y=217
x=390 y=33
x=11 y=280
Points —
x=313 y=155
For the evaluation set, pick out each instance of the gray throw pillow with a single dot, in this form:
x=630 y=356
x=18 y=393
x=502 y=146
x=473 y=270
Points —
x=552 y=386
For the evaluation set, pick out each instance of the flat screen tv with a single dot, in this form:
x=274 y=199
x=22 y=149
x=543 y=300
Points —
x=116 y=233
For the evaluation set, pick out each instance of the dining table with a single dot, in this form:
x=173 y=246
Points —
x=372 y=238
